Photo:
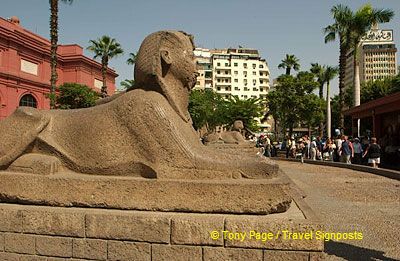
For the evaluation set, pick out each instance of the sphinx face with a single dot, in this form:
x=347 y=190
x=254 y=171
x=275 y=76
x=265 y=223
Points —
x=184 y=65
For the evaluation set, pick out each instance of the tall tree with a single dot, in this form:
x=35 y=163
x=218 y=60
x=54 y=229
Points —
x=132 y=59
x=330 y=74
x=53 y=48
x=290 y=62
x=319 y=72
x=106 y=48
x=290 y=100
x=363 y=20
x=342 y=16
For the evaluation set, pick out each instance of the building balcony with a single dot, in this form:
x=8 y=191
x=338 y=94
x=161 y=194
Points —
x=222 y=83
x=223 y=76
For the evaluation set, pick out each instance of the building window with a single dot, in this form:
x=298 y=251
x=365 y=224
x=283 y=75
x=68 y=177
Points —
x=218 y=64
x=236 y=80
x=226 y=64
x=235 y=64
x=245 y=65
x=235 y=72
x=28 y=100
x=261 y=66
x=254 y=65
x=254 y=73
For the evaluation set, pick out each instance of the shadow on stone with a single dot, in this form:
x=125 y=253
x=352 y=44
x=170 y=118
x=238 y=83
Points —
x=354 y=253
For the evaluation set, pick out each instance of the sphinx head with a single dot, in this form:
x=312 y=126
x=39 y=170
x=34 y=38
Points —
x=166 y=56
x=165 y=64
x=238 y=125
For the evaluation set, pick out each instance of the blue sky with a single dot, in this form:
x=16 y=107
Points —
x=275 y=28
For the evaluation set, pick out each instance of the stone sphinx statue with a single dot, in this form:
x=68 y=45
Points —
x=146 y=132
x=234 y=136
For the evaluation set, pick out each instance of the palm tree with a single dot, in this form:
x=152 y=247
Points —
x=128 y=84
x=289 y=62
x=330 y=74
x=342 y=16
x=362 y=22
x=319 y=71
x=106 y=48
x=53 y=47
x=132 y=59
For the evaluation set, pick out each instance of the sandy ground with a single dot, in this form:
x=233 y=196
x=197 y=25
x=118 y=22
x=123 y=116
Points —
x=347 y=201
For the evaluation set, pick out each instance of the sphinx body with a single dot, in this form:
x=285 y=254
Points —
x=137 y=134
x=233 y=136
x=145 y=132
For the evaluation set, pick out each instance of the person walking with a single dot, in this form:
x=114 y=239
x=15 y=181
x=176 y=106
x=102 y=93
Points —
x=320 y=148
x=328 y=150
x=293 y=148
x=374 y=153
x=267 y=145
x=313 y=149
x=357 y=151
x=288 y=145
x=346 y=151
x=338 y=145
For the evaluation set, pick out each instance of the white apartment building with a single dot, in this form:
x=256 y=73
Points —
x=240 y=72
x=377 y=57
x=204 y=67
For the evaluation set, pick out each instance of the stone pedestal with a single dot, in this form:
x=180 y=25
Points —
x=39 y=232
x=67 y=215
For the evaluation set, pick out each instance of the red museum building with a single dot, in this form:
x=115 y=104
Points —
x=25 y=68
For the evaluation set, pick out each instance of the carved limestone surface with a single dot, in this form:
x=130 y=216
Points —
x=146 y=132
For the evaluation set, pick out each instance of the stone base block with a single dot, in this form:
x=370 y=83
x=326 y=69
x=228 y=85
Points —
x=47 y=233
x=211 y=196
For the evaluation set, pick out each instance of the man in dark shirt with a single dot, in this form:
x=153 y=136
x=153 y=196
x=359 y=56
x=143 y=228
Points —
x=346 y=150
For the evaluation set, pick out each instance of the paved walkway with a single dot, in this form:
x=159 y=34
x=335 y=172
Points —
x=348 y=200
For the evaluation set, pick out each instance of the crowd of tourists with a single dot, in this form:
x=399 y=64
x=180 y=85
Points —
x=338 y=149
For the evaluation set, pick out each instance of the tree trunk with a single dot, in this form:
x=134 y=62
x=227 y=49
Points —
x=104 y=66
x=287 y=70
x=342 y=74
x=321 y=96
x=356 y=79
x=328 y=112
x=53 y=50
x=357 y=87
x=321 y=91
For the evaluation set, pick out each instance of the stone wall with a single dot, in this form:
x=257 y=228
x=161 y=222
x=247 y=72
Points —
x=56 y=233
